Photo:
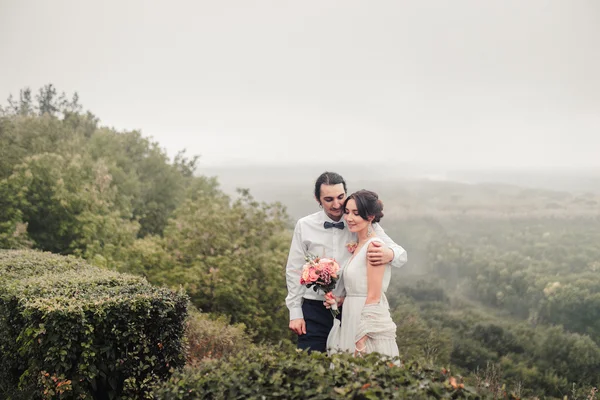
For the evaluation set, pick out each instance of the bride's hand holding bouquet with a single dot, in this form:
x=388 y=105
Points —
x=322 y=274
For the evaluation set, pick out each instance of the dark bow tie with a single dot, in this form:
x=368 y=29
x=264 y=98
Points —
x=339 y=225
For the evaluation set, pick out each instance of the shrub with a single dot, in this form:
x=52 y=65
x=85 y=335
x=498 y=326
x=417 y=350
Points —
x=212 y=338
x=471 y=355
x=70 y=330
x=270 y=373
x=417 y=340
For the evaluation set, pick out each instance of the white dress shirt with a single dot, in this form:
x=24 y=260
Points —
x=310 y=236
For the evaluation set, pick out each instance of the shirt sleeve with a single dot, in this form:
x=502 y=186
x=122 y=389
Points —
x=293 y=272
x=400 y=255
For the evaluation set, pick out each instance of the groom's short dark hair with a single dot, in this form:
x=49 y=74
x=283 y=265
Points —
x=328 y=178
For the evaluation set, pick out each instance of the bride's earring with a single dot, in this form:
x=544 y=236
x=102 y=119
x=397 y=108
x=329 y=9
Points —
x=369 y=230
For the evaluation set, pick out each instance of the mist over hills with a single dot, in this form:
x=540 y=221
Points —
x=574 y=180
x=413 y=191
x=569 y=180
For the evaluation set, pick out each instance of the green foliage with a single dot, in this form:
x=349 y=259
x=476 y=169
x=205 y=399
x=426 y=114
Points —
x=70 y=330
x=424 y=291
x=71 y=187
x=13 y=232
x=68 y=204
x=543 y=270
x=44 y=142
x=505 y=278
x=26 y=136
x=211 y=338
x=496 y=338
x=230 y=258
x=268 y=373
x=573 y=356
x=575 y=303
x=418 y=340
x=471 y=355
x=528 y=359
x=148 y=183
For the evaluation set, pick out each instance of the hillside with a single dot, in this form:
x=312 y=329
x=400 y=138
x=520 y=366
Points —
x=499 y=276
x=501 y=284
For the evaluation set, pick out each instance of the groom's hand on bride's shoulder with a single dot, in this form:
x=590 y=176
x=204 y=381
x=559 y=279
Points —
x=379 y=254
x=298 y=326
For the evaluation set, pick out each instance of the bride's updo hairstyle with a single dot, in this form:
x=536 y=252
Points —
x=368 y=204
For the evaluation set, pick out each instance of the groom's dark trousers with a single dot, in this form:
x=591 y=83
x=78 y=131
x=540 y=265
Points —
x=319 y=322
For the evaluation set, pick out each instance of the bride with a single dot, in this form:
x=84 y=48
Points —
x=366 y=325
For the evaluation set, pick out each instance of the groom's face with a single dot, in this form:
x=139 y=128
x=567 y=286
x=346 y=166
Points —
x=332 y=199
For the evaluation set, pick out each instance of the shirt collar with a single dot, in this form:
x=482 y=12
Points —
x=325 y=217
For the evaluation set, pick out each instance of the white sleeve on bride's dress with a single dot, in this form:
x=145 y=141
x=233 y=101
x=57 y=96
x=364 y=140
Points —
x=400 y=255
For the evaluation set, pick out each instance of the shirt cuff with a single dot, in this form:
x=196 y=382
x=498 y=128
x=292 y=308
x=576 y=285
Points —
x=399 y=257
x=396 y=255
x=296 y=313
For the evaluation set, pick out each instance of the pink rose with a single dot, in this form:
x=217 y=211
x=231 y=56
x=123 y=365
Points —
x=336 y=268
x=313 y=275
x=329 y=263
x=304 y=278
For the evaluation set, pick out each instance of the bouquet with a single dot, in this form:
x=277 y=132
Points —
x=321 y=274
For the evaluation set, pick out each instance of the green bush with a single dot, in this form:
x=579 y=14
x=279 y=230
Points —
x=212 y=338
x=269 y=373
x=70 y=330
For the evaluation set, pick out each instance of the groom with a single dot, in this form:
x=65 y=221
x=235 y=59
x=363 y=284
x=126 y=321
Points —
x=324 y=233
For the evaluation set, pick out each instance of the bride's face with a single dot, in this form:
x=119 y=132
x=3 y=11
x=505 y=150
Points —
x=355 y=222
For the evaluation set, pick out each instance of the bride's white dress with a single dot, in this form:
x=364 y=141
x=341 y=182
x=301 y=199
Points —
x=358 y=318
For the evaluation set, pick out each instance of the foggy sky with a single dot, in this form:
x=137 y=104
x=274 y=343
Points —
x=446 y=83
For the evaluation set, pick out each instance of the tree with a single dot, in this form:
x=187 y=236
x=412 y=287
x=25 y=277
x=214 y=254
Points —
x=68 y=205
x=230 y=258
x=48 y=101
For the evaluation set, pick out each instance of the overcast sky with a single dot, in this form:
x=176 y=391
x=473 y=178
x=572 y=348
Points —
x=448 y=83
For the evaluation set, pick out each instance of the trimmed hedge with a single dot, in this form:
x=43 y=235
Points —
x=266 y=373
x=70 y=330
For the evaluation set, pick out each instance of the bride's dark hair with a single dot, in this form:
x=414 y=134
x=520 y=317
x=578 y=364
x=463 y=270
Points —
x=368 y=204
